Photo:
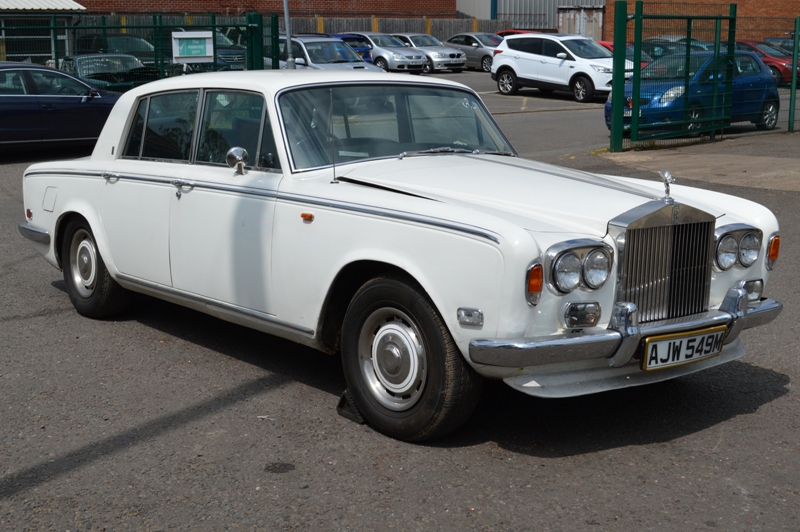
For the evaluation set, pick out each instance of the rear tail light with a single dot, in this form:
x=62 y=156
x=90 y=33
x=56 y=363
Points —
x=496 y=51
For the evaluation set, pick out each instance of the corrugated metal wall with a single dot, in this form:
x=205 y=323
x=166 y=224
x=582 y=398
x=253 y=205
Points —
x=539 y=14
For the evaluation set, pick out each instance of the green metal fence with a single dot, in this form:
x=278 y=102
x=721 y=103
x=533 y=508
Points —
x=139 y=48
x=689 y=78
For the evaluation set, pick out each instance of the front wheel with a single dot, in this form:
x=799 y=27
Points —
x=776 y=74
x=380 y=62
x=582 y=89
x=403 y=369
x=428 y=66
x=768 y=118
x=91 y=289
x=694 y=116
x=507 y=83
x=486 y=63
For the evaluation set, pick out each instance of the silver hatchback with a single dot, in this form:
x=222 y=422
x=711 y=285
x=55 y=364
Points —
x=391 y=54
x=479 y=48
x=438 y=56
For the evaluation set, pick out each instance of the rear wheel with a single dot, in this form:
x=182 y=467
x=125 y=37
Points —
x=768 y=118
x=582 y=89
x=91 y=289
x=486 y=63
x=403 y=369
x=507 y=82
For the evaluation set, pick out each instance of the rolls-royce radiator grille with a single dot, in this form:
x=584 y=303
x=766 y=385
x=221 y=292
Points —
x=667 y=270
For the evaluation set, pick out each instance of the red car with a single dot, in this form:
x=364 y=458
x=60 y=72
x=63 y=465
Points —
x=777 y=59
x=646 y=59
x=506 y=33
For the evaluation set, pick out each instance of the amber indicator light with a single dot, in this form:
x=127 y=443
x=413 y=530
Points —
x=774 y=248
x=307 y=217
x=535 y=279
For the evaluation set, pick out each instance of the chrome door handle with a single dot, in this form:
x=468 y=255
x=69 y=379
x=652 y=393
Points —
x=180 y=183
x=108 y=176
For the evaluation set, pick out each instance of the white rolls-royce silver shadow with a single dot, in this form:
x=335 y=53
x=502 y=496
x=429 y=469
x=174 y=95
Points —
x=389 y=219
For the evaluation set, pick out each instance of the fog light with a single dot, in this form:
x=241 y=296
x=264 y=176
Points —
x=754 y=289
x=583 y=314
x=470 y=316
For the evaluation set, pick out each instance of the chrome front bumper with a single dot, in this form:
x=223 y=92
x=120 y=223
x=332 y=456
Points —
x=621 y=339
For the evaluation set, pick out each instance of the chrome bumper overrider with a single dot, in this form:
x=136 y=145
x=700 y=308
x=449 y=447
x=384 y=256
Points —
x=32 y=233
x=620 y=340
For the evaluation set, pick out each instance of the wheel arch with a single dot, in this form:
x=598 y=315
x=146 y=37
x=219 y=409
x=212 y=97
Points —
x=345 y=285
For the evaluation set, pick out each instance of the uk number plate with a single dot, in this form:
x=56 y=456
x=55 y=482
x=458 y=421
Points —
x=682 y=348
x=627 y=112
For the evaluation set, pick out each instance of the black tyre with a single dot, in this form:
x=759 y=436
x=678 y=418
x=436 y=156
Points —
x=507 y=82
x=768 y=118
x=380 y=62
x=91 y=289
x=427 y=68
x=776 y=74
x=404 y=372
x=486 y=63
x=582 y=89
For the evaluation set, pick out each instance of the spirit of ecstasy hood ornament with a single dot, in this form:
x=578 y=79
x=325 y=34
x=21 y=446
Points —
x=667 y=178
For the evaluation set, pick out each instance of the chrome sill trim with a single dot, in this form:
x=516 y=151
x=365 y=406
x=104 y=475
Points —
x=219 y=304
x=34 y=233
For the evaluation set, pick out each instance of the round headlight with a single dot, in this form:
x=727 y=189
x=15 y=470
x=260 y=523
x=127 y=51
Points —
x=567 y=271
x=749 y=247
x=727 y=251
x=596 y=267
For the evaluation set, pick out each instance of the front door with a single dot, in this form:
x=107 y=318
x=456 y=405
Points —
x=220 y=228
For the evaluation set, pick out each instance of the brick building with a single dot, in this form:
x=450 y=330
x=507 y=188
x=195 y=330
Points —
x=297 y=8
x=756 y=18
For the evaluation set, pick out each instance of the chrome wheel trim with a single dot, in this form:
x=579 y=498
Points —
x=579 y=90
x=83 y=262
x=505 y=83
x=381 y=63
x=770 y=115
x=392 y=359
x=776 y=74
x=427 y=68
x=694 y=115
x=486 y=64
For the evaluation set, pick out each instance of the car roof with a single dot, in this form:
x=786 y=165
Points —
x=31 y=66
x=273 y=81
x=552 y=36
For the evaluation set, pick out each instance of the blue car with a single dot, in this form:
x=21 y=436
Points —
x=358 y=43
x=40 y=105
x=664 y=98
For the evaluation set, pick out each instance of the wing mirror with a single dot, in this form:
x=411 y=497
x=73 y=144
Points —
x=561 y=55
x=474 y=45
x=300 y=61
x=237 y=158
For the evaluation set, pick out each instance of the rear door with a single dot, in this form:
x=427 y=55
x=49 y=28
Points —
x=526 y=52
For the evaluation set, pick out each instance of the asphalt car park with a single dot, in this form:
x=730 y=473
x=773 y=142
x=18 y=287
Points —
x=166 y=418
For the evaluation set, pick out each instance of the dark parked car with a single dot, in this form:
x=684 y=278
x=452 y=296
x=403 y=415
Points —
x=646 y=59
x=787 y=43
x=112 y=72
x=665 y=100
x=116 y=43
x=657 y=49
x=40 y=105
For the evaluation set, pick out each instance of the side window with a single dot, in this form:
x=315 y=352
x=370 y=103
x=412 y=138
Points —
x=11 y=82
x=404 y=39
x=133 y=146
x=552 y=49
x=531 y=46
x=170 y=126
x=230 y=119
x=745 y=66
x=55 y=84
x=470 y=41
x=457 y=40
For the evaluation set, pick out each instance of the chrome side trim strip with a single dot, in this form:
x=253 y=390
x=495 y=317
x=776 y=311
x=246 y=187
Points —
x=305 y=200
x=387 y=213
x=219 y=304
x=34 y=233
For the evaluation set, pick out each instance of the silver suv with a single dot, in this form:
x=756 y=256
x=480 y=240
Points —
x=554 y=62
x=389 y=53
x=438 y=56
